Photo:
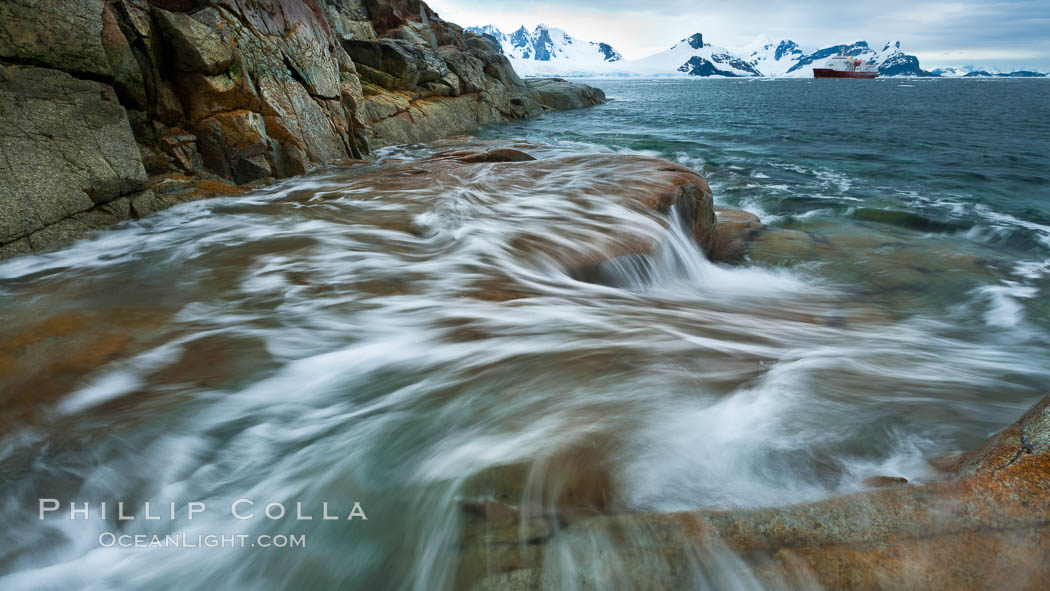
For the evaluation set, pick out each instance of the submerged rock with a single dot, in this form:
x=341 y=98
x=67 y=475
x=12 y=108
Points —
x=878 y=257
x=884 y=481
x=44 y=358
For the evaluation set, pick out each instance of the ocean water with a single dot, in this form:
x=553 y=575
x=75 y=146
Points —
x=333 y=340
x=963 y=160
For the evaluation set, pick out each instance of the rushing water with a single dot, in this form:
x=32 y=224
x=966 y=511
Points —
x=328 y=340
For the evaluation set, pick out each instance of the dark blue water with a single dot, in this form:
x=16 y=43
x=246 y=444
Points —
x=979 y=142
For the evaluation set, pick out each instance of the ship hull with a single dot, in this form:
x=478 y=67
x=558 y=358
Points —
x=829 y=73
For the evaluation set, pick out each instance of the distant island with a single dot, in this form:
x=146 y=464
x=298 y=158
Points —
x=547 y=51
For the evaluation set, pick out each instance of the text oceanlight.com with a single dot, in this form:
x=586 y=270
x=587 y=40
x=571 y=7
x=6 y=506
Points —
x=242 y=509
x=209 y=541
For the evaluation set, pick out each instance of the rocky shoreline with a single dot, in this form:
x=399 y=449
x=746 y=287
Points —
x=984 y=525
x=114 y=109
x=984 y=522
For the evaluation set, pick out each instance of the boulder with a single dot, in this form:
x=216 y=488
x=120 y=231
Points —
x=493 y=155
x=308 y=131
x=289 y=38
x=469 y=69
x=349 y=20
x=734 y=231
x=560 y=94
x=204 y=95
x=409 y=65
x=172 y=148
x=486 y=43
x=497 y=67
x=423 y=119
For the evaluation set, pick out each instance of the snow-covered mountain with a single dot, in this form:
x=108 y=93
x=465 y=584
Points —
x=772 y=58
x=976 y=72
x=693 y=57
x=549 y=50
x=783 y=58
x=957 y=72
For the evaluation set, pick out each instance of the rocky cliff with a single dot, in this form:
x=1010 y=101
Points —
x=113 y=109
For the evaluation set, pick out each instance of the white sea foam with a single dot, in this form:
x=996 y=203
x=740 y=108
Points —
x=121 y=380
x=1004 y=308
x=1005 y=219
x=1032 y=269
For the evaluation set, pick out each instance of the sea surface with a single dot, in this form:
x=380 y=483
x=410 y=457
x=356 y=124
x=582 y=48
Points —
x=327 y=340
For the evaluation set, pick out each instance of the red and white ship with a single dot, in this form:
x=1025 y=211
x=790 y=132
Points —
x=844 y=66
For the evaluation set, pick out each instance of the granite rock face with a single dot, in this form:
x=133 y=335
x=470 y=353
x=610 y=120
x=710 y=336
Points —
x=60 y=34
x=67 y=148
x=102 y=99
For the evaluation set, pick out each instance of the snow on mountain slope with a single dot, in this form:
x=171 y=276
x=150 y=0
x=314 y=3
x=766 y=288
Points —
x=960 y=71
x=549 y=50
x=786 y=59
x=894 y=62
x=986 y=72
x=772 y=58
x=693 y=57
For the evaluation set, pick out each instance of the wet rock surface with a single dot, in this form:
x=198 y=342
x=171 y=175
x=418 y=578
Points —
x=984 y=525
x=107 y=93
x=44 y=359
x=650 y=186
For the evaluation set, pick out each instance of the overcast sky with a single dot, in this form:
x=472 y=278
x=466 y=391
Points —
x=1010 y=35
